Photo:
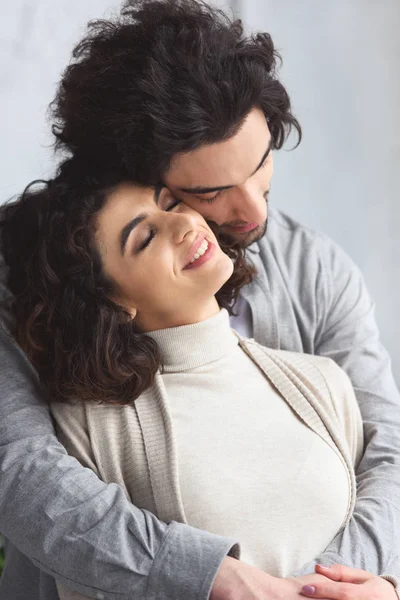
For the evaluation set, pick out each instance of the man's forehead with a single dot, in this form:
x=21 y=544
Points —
x=226 y=163
x=202 y=176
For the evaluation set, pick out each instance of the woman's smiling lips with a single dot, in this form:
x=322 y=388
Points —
x=200 y=252
x=194 y=247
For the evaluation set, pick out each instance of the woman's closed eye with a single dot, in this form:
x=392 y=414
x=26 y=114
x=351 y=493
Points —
x=152 y=232
x=167 y=201
x=147 y=241
x=174 y=202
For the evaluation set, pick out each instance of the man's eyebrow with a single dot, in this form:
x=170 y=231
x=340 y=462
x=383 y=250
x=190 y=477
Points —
x=129 y=227
x=209 y=190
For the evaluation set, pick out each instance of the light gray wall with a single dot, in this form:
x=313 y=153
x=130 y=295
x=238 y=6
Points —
x=36 y=39
x=342 y=69
x=342 y=65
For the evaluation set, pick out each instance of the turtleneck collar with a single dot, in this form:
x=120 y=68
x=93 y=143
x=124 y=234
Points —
x=191 y=346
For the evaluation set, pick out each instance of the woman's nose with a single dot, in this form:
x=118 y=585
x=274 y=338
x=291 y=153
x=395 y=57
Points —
x=181 y=224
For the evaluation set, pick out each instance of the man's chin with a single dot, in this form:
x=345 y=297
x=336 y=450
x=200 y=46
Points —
x=246 y=239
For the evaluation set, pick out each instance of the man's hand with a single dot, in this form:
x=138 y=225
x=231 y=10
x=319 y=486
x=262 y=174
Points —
x=344 y=583
x=236 y=580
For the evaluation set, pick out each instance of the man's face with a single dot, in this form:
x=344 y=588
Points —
x=228 y=182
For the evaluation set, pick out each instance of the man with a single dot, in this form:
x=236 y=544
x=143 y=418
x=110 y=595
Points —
x=174 y=92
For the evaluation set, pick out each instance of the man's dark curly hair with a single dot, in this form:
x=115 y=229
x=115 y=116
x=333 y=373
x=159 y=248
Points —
x=165 y=77
x=83 y=345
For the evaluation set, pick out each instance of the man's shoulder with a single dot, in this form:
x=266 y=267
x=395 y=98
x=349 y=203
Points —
x=6 y=297
x=285 y=230
x=291 y=243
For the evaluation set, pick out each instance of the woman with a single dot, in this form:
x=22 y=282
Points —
x=122 y=296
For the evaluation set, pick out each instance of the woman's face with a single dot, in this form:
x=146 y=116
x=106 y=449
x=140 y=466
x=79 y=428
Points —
x=161 y=255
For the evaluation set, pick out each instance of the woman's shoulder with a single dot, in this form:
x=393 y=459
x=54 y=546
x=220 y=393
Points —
x=318 y=373
x=323 y=382
x=315 y=366
x=286 y=356
x=309 y=363
x=69 y=412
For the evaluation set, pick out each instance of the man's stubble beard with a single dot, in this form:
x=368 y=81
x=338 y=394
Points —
x=246 y=240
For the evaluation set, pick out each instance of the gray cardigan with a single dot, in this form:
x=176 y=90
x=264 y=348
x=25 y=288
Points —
x=309 y=297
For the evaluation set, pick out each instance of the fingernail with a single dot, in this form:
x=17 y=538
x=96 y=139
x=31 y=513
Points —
x=309 y=590
x=324 y=568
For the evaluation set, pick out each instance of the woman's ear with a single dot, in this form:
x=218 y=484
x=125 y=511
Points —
x=131 y=310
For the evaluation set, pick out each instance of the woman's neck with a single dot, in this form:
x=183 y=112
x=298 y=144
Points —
x=190 y=346
x=188 y=315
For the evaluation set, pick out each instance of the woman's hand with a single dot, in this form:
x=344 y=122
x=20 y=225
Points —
x=344 y=583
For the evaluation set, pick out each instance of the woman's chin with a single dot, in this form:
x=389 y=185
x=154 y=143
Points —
x=229 y=267
x=225 y=270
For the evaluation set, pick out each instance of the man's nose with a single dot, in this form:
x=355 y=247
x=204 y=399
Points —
x=246 y=199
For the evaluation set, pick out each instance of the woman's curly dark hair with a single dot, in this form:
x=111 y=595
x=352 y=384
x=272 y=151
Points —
x=83 y=345
x=166 y=77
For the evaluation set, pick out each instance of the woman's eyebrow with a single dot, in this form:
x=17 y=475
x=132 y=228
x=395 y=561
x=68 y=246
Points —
x=127 y=230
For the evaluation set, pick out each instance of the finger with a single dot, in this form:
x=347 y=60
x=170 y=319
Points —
x=329 y=589
x=343 y=573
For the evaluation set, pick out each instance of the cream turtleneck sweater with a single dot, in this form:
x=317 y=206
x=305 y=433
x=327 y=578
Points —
x=248 y=467
x=253 y=444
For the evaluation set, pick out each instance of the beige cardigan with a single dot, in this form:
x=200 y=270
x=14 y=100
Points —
x=134 y=446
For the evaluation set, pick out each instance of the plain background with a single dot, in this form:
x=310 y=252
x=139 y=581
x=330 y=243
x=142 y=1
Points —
x=342 y=70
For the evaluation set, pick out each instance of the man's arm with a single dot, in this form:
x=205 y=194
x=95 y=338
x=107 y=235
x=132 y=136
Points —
x=78 y=529
x=349 y=335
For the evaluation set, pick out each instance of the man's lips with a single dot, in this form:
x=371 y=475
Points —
x=245 y=228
